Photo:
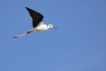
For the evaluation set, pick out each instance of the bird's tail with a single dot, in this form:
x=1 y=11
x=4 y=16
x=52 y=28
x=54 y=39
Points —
x=22 y=34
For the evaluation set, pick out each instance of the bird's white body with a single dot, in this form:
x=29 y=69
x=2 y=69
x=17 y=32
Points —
x=42 y=27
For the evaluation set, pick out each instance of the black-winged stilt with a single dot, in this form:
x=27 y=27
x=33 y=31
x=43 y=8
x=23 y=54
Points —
x=38 y=24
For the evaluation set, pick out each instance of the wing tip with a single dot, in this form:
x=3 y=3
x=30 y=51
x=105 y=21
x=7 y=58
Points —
x=26 y=7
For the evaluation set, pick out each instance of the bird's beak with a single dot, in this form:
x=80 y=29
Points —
x=55 y=28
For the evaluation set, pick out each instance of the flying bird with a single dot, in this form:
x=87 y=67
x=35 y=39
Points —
x=37 y=23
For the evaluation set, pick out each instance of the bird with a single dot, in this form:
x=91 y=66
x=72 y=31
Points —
x=37 y=23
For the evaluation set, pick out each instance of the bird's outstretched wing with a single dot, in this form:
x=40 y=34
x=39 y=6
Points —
x=36 y=17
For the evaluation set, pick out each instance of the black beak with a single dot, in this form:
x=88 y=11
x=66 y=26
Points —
x=55 y=28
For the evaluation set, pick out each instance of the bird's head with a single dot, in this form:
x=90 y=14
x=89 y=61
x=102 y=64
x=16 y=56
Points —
x=51 y=26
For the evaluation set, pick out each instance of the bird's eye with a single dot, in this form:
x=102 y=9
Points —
x=51 y=25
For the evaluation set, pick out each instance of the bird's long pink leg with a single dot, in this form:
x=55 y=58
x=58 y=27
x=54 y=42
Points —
x=22 y=34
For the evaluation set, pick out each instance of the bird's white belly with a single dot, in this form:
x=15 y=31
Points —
x=39 y=29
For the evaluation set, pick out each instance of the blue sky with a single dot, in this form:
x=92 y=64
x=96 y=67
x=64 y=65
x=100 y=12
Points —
x=79 y=45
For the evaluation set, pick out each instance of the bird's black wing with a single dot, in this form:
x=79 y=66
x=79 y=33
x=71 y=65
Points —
x=36 y=17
